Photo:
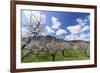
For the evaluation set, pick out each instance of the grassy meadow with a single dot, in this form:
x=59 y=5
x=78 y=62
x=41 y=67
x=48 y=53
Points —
x=45 y=57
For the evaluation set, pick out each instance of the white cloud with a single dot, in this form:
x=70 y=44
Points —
x=55 y=23
x=78 y=32
x=54 y=19
x=49 y=30
x=79 y=20
x=84 y=36
x=85 y=28
x=81 y=36
x=60 y=32
x=78 y=29
x=71 y=37
x=83 y=22
x=74 y=29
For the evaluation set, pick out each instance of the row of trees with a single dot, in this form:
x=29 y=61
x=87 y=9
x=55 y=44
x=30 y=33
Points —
x=52 y=46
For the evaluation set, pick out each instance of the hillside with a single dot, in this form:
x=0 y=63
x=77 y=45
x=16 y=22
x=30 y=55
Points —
x=50 y=40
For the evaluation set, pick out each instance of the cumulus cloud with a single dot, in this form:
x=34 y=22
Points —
x=55 y=23
x=71 y=37
x=61 y=32
x=79 y=31
x=83 y=22
x=49 y=30
x=84 y=36
x=85 y=28
x=79 y=20
x=74 y=29
x=81 y=36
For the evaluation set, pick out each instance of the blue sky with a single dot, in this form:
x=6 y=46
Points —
x=64 y=25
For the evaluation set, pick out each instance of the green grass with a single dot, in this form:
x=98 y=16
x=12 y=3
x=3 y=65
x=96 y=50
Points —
x=44 y=57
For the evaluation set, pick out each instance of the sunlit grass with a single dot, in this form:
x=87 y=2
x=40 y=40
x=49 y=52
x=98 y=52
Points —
x=45 y=57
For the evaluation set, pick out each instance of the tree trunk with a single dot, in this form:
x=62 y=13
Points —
x=37 y=54
x=26 y=43
x=53 y=57
x=63 y=53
